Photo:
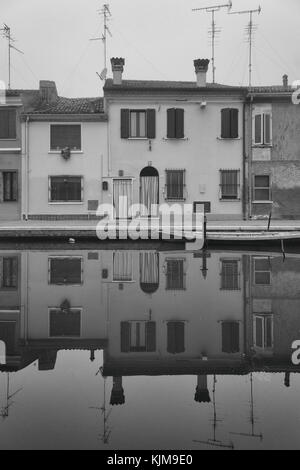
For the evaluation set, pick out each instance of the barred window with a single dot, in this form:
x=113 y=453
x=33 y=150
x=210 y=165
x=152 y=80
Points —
x=262 y=188
x=175 y=274
x=175 y=187
x=230 y=184
x=65 y=135
x=66 y=189
x=230 y=275
x=10 y=186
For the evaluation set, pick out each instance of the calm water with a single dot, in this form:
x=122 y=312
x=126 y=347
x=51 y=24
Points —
x=138 y=349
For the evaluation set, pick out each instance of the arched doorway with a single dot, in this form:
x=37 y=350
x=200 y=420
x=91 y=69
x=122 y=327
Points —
x=149 y=272
x=149 y=191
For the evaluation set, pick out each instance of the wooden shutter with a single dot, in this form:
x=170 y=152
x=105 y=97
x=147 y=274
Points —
x=151 y=123
x=171 y=124
x=151 y=337
x=230 y=337
x=12 y=118
x=226 y=123
x=125 y=127
x=7 y=124
x=179 y=123
x=125 y=337
x=15 y=186
x=234 y=123
x=176 y=338
x=258 y=137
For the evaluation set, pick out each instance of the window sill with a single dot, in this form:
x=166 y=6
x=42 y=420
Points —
x=262 y=202
x=229 y=138
x=8 y=149
x=64 y=203
x=175 y=200
x=58 y=152
x=230 y=200
x=175 y=139
x=262 y=146
x=139 y=138
x=9 y=202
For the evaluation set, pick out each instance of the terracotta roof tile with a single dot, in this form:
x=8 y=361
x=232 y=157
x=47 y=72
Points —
x=71 y=106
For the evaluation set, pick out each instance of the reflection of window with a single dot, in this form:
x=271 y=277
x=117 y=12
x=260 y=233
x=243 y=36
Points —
x=262 y=271
x=122 y=267
x=176 y=344
x=230 y=337
x=8 y=336
x=10 y=186
x=139 y=336
x=64 y=271
x=230 y=275
x=65 y=324
x=9 y=278
x=263 y=331
x=175 y=274
x=149 y=272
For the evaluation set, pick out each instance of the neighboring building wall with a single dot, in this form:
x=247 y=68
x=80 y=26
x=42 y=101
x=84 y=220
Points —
x=202 y=154
x=43 y=164
x=281 y=161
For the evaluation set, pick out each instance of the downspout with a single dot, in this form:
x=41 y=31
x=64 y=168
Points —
x=27 y=168
x=245 y=179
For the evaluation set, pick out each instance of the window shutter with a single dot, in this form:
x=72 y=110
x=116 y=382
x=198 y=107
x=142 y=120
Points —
x=171 y=126
x=179 y=123
x=125 y=131
x=226 y=122
x=258 y=129
x=151 y=123
x=151 y=337
x=3 y=124
x=267 y=129
x=15 y=186
x=12 y=124
x=234 y=123
x=176 y=338
x=125 y=337
x=230 y=337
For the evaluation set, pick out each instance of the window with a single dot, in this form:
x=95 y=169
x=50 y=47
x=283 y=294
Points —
x=122 y=267
x=263 y=331
x=230 y=123
x=262 y=271
x=175 y=187
x=9 y=278
x=230 y=337
x=176 y=343
x=65 y=271
x=63 y=136
x=175 y=274
x=65 y=324
x=66 y=189
x=263 y=129
x=8 y=121
x=262 y=188
x=138 y=336
x=230 y=185
x=230 y=275
x=10 y=186
x=175 y=123
x=138 y=124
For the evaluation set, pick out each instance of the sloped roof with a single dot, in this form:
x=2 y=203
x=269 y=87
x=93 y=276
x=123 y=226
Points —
x=167 y=85
x=71 y=106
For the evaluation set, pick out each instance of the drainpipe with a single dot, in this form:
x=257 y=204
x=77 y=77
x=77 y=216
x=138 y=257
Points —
x=245 y=165
x=27 y=167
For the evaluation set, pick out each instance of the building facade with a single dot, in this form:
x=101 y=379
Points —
x=64 y=142
x=174 y=143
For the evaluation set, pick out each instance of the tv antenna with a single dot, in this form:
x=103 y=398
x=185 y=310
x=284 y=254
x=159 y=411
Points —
x=105 y=436
x=214 y=31
x=6 y=33
x=214 y=442
x=250 y=30
x=4 y=412
x=106 y=13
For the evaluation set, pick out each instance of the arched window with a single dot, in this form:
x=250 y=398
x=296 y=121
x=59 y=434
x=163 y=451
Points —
x=149 y=191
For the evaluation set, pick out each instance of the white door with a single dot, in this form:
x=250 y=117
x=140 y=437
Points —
x=122 y=198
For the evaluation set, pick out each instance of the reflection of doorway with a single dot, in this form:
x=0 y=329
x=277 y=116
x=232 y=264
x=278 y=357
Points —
x=149 y=191
x=122 y=198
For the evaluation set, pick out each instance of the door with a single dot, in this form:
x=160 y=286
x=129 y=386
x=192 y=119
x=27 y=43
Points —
x=122 y=198
x=149 y=192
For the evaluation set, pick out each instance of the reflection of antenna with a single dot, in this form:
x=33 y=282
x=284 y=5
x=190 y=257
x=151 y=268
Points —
x=106 y=430
x=5 y=410
x=250 y=29
x=105 y=12
x=214 y=31
x=252 y=417
x=214 y=442
x=6 y=32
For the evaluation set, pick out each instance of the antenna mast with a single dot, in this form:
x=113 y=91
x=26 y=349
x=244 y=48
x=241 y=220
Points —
x=250 y=29
x=6 y=33
x=105 y=12
x=214 y=31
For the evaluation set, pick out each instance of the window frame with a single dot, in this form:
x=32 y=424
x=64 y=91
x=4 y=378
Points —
x=255 y=271
x=263 y=114
x=56 y=151
x=3 y=287
x=238 y=186
x=138 y=112
x=263 y=317
x=10 y=172
x=237 y=110
x=257 y=188
x=65 y=202
x=172 y=260
x=175 y=170
x=51 y=258
x=12 y=139
x=231 y=260
x=58 y=309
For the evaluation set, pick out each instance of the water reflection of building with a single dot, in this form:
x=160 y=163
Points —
x=153 y=313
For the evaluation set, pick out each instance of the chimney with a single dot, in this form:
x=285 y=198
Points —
x=48 y=92
x=201 y=68
x=285 y=79
x=117 y=65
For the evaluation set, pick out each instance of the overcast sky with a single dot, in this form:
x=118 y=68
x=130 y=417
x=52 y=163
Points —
x=159 y=39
